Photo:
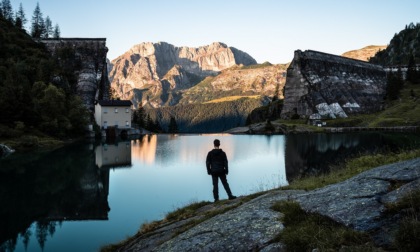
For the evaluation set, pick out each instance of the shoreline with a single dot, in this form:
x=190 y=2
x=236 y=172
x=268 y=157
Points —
x=253 y=214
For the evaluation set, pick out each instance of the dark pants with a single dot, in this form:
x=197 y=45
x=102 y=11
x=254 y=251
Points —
x=222 y=177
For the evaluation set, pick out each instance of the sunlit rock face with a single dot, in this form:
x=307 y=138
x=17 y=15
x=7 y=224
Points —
x=150 y=71
x=87 y=58
x=320 y=85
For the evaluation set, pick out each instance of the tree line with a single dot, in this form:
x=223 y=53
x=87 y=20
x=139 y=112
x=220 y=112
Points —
x=202 y=118
x=395 y=80
x=402 y=47
x=40 y=27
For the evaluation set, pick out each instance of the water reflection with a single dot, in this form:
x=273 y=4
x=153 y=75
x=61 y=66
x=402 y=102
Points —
x=46 y=191
x=113 y=155
x=315 y=153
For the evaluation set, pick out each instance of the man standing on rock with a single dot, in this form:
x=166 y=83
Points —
x=217 y=167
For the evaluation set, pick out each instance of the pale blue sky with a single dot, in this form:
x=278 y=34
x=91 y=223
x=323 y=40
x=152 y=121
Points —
x=269 y=30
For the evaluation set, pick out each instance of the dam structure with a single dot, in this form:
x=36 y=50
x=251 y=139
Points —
x=325 y=86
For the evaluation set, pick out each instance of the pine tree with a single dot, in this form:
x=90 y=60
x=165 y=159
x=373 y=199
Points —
x=7 y=10
x=56 y=33
x=20 y=19
x=412 y=73
x=173 y=127
x=149 y=123
x=38 y=25
x=140 y=117
x=157 y=126
x=394 y=85
x=48 y=28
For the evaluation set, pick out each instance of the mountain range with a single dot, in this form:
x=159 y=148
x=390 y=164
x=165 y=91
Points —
x=157 y=73
x=170 y=81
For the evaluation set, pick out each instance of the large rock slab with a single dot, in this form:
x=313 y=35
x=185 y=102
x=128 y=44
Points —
x=359 y=202
x=249 y=227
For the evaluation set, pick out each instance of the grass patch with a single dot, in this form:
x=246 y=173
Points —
x=408 y=233
x=185 y=212
x=410 y=201
x=307 y=231
x=351 y=168
x=256 y=66
x=407 y=236
x=232 y=98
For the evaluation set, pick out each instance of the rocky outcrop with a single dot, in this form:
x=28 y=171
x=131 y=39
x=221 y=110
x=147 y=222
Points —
x=86 y=57
x=149 y=71
x=360 y=202
x=240 y=225
x=320 y=85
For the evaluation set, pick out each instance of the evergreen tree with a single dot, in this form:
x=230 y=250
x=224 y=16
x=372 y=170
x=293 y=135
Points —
x=38 y=25
x=149 y=123
x=20 y=19
x=139 y=117
x=48 y=28
x=173 y=127
x=56 y=33
x=157 y=126
x=276 y=93
x=7 y=10
x=394 y=85
x=412 y=73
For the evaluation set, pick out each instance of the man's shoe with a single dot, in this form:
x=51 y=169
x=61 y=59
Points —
x=216 y=200
x=232 y=197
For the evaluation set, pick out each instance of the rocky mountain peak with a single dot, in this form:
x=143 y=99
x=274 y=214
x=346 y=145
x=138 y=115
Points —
x=158 y=68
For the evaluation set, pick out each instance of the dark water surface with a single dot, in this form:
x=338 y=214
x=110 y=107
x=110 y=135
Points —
x=86 y=195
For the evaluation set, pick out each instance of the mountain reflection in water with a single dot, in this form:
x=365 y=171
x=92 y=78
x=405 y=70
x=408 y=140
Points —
x=44 y=195
x=313 y=154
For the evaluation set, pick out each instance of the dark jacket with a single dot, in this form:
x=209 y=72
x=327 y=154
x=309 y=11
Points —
x=217 y=162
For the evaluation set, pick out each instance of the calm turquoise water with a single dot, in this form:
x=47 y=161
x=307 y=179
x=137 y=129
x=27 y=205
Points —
x=86 y=195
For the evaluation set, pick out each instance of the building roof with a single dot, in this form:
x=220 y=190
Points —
x=113 y=103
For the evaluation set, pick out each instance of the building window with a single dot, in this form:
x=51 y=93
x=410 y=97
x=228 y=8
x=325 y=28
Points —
x=116 y=110
x=126 y=123
x=105 y=110
x=127 y=110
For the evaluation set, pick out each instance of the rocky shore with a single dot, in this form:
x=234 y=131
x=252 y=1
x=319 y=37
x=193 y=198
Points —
x=251 y=225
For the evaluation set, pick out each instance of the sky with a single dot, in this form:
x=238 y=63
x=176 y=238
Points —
x=268 y=30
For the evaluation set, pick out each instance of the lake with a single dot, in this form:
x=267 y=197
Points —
x=86 y=195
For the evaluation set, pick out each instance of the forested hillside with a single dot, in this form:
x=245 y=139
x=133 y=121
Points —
x=402 y=46
x=35 y=92
x=205 y=118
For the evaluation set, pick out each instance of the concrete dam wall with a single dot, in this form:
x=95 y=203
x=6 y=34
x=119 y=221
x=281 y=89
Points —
x=88 y=56
x=320 y=85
